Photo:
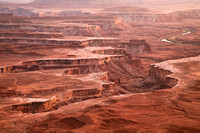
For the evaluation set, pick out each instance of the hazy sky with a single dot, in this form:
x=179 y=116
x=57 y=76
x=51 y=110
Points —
x=17 y=1
x=132 y=1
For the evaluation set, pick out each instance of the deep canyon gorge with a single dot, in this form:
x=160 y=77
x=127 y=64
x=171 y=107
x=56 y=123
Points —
x=105 y=66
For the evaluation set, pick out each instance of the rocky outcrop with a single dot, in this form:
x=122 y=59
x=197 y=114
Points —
x=147 y=17
x=20 y=68
x=191 y=14
x=71 y=43
x=63 y=61
x=72 y=71
x=106 y=77
x=126 y=9
x=103 y=25
x=109 y=51
x=116 y=61
x=120 y=71
x=137 y=47
x=108 y=86
x=68 y=30
x=85 y=93
x=28 y=107
x=30 y=34
x=40 y=41
x=176 y=110
x=85 y=65
x=18 y=12
x=85 y=27
x=163 y=76
x=86 y=69
x=65 y=13
x=65 y=98
x=102 y=42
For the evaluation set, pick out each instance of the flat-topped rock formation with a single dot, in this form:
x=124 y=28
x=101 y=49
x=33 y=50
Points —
x=191 y=14
x=24 y=34
x=137 y=47
x=110 y=50
x=101 y=54
x=70 y=25
x=67 y=30
x=143 y=17
x=57 y=63
x=79 y=42
x=126 y=9
x=18 y=12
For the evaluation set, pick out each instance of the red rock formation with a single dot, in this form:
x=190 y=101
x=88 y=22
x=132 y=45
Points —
x=72 y=71
x=106 y=77
x=147 y=17
x=126 y=9
x=85 y=93
x=6 y=33
x=29 y=107
x=137 y=47
x=109 y=51
x=20 y=68
x=161 y=76
x=121 y=70
x=191 y=14
x=85 y=65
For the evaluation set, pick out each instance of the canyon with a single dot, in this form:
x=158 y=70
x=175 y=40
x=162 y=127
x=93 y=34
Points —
x=93 y=67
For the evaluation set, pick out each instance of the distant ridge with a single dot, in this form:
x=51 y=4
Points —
x=90 y=3
x=76 y=3
x=126 y=9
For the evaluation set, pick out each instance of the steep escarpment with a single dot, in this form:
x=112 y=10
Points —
x=167 y=107
x=67 y=97
x=23 y=34
x=112 y=51
x=147 y=17
x=58 y=64
x=122 y=70
x=191 y=14
x=68 y=42
x=99 y=58
x=160 y=76
x=137 y=47
x=67 y=30
x=163 y=76
x=126 y=9
x=89 y=25
x=167 y=74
